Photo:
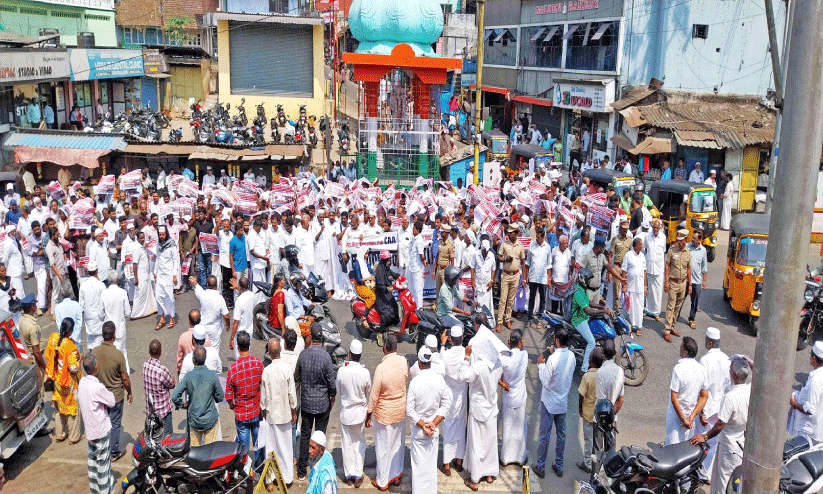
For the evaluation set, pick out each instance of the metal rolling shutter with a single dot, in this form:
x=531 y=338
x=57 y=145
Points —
x=148 y=91
x=271 y=59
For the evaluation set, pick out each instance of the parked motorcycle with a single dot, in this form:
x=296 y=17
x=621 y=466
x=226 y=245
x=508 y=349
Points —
x=332 y=341
x=289 y=133
x=281 y=116
x=801 y=473
x=176 y=135
x=311 y=133
x=168 y=463
x=275 y=131
x=368 y=320
x=811 y=316
x=343 y=138
x=431 y=323
x=258 y=130
x=631 y=355
x=195 y=111
x=161 y=120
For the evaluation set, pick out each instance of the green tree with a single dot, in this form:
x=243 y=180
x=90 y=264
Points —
x=176 y=33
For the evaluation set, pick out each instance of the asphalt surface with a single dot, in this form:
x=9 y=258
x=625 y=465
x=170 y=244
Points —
x=45 y=466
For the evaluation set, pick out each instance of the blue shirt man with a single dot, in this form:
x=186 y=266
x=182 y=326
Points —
x=237 y=249
x=48 y=114
x=296 y=303
x=13 y=214
x=667 y=174
x=188 y=173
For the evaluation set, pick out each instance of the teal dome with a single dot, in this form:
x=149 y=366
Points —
x=380 y=25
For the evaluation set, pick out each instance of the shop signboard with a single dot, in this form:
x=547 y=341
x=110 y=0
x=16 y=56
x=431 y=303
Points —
x=154 y=62
x=92 y=63
x=21 y=65
x=534 y=11
x=468 y=75
x=593 y=96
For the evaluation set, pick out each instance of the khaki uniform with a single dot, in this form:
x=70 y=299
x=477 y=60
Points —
x=30 y=336
x=679 y=263
x=619 y=248
x=445 y=255
x=509 y=278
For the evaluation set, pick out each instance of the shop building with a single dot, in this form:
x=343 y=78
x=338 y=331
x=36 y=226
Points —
x=112 y=76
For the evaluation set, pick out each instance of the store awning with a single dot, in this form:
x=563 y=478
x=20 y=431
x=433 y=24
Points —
x=650 y=145
x=572 y=29
x=622 y=141
x=256 y=157
x=633 y=116
x=532 y=100
x=62 y=157
x=538 y=34
x=551 y=34
x=601 y=31
x=491 y=89
x=209 y=156
x=272 y=18
x=64 y=140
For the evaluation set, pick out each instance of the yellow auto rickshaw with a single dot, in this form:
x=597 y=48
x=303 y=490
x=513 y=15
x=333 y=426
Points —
x=498 y=145
x=523 y=153
x=743 y=278
x=689 y=205
x=605 y=178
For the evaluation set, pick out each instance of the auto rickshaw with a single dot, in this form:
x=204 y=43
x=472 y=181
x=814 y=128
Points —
x=498 y=145
x=743 y=278
x=526 y=152
x=691 y=204
x=604 y=177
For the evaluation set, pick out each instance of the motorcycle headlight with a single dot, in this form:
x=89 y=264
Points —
x=808 y=295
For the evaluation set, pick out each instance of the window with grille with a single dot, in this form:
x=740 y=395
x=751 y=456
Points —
x=65 y=15
x=7 y=8
x=30 y=11
x=94 y=17
x=592 y=46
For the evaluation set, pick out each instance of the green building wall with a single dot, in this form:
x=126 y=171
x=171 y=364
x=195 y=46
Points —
x=28 y=18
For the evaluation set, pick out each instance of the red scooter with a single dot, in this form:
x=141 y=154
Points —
x=367 y=320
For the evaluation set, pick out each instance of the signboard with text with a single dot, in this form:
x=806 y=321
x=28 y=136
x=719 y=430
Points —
x=33 y=65
x=92 y=63
x=534 y=11
x=588 y=96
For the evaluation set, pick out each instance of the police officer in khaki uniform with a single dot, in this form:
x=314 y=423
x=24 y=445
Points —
x=677 y=273
x=621 y=244
x=445 y=255
x=511 y=255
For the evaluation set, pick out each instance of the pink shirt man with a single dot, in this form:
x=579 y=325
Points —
x=94 y=399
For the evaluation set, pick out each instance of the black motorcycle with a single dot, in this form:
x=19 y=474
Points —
x=811 y=316
x=431 y=323
x=672 y=469
x=167 y=463
x=176 y=135
x=801 y=472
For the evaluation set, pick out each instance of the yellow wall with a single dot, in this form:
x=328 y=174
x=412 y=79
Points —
x=314 y=106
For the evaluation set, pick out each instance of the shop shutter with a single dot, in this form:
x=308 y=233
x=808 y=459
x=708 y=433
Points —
x=271 y=59
x=149 y=92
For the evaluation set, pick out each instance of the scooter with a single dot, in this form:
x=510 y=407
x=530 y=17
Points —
x=801 y=473
x=343 y=138
x=168 y=463
x=275 y=132
x=631 y=356
x=289 y=136
x=368 y=320
x=332 y=342
x=281 y=116
x=241 y=117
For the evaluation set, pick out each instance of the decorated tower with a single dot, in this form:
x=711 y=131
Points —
x=399 y=138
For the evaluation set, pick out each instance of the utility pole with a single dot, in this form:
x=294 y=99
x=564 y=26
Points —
x=478 y=92
x=778 y=71
x=789 y=229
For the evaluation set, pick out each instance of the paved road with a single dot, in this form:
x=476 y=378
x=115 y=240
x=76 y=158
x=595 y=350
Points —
x=48 y=467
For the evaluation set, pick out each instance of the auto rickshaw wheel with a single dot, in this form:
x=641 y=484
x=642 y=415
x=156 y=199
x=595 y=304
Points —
x=754 y=323
x=725 y=294
x=710 y=254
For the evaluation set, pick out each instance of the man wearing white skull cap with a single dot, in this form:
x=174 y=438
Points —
x=717 y=366
x=454 y=422
x=483 y=277
x=807 y=404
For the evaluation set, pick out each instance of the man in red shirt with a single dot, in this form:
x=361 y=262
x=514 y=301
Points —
x=243 y=393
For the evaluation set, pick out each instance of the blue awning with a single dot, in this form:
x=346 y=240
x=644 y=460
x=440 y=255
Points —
x=65 y=139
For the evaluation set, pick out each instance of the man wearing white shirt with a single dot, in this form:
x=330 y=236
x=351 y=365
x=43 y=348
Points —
x=214 y=314
x=322 y=250
x=304 y=239
x=427 y=402
x=689 y=391
x=697 y=174
x=654 y=248
x=561 y=261
x=91 y=294
x=224 y=236
x=243 y=314
x=417 y=264
x=278 y=404
x=610 y=377
x=514 y=418
x=273 y=239
x=537 y=271
x=209 y=178
x=36 y=242
x=404 y=241
x=97 y=250
x=481 y=438
x=12 y=257
x=717 y=366
x=634 y=265
x=117 y=309
x=807 y=404
x=555 y=373
x=213 y=362
x=437 y=364
x=353 y=387
x=454 y=422
x=258 y=256
x=483 y=277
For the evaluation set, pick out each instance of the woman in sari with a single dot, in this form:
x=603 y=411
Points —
x=63 y=366
x=277 y=310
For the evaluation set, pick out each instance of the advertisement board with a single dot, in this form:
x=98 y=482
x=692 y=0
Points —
x=33 y=65
x=92 y=63
x=592 y=96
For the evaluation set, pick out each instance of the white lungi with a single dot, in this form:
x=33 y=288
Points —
x=120 y=344
x=481 y=455
x=515 y=432
x=454 y=438
x=484 y=297
x=423 y=450
x=654 y=300
x=27 y=262
x=277 y=438
x=727 y=458
x=636 y=309
x=353 y=443
x=164 y=295
x=708 y=461
x=42 y=277
x=390 y=451
x=16 y=282
x=94 y=341
x=323 y=272
x=416 y=285
x=675 y=432
x=257 y=274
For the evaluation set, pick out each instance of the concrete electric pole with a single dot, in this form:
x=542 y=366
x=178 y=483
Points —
x=478 y=109
x=778 y=71
x=789 y=231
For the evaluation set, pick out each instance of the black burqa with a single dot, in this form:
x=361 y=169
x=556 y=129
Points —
x=385 y=304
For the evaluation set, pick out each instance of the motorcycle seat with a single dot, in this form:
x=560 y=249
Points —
x=673 y=458
x=814 y=463
x=558 y=317
x=429 y=317
x=176 y=444
x=795 y=477
x=213 y=455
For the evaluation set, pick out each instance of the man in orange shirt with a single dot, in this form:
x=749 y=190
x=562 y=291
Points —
x=387 y=403
x=184 y=343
